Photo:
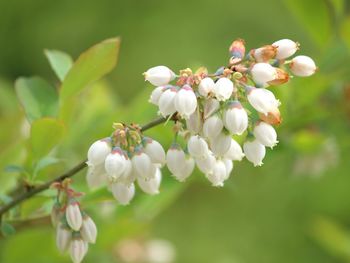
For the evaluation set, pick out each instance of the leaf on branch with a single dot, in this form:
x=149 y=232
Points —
x=7 y=229
x=60 y=62
x=45 y=162
x=14 y=169
x=38 y=98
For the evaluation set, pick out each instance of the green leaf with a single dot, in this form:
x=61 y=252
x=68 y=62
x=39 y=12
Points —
x=46 y=133
x=14 y=169
x=38 y=98
x=7 y=229
x=60 y=62
x=45 y=162
x=90 y=66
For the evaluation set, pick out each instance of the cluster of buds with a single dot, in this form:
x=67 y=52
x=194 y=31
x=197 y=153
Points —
x=123 y=158
x=214 y=112
x=74 y=228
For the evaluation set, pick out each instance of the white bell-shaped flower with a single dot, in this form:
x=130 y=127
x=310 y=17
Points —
x=186 y=170
x=262 y=100
x=265 y=134
x=175 y=159
x=206 y=86
x=194 y=123
x=142 y=164
x=122 y=192
x=218 y=174
x=229 y=167
x=155 y=95
x=88 y=230
x=166 y=102
x=235 y=153
x=73 y=216
x=78 y=249
x=220 y=144
x=303 y=66
x=98 y=151
x=285 y=48
x=154 y=150
x=160 y=75
x=197 y=146
x=96 y=176
x=212 y=126
x=235 y=118
x=63 y=237
x=206 y=164
x=254 y=151
x=185 y=101
x=262 y=73
x=115 y=163
x=223 y=89
x=210 y=107
x=151 y=186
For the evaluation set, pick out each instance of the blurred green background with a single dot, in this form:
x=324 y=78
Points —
x=295 y=208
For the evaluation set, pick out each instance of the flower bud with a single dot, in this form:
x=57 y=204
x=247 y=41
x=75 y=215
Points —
x=98 y=151
x=96 y=176
x=88 y=230
x=206 y=86
x=151 y=186
x=223 y=89
x=210 y=106
x=78 y=250
x=254 y=152
x=220 y=144
x=265 y=134
x=142 y=164
x=273 y=117
x=264 y=54
x=185 y=101
x=122 y=192
x=186 y=170
x=115 y=163
x=235 y=152
x=262 y=73
x=237 y=51
x=212 y=126
x=175 y=159
x=303 y=66
x=235 y=118
x=160 y=75
x=73 y=216
x=219 y=174
x=194 y=122
x=262 y=100
x=63 y=237
x=55 y=214
x=285 y=48
x=166 y=102
x=126 y=175
x=229 y=167
x=206 y=163
x=155 y=95
x=154 y=150
x=197 y=146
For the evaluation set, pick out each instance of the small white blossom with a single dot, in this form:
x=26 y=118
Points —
x=218 y=175
x=235 y=153
x=223 y=89
x=151 y=186
x=155 y=95
x=210 y=106
x=73 y=216
x=220 y=144
x=262 y=73
x=254 y=152
x=122 y=192
x=235 y=118
x=265 y=134
x=88 y=230
x=160 y=75
x=206 y=86
x=303 y=66
x=229 y=167
x=175 y=159
x=78 y=249
x=63 y=237
x=142 y=164
x=263 y=100
x=194 y=123
x=166 y=102
x=185 y=101
x=186 y=170
x=96 y=176
x=154 y=150
x=206 y=164
x=212 y=126
x=115 y=163
x=98 y=151
x=285 y=48
x=197 y=146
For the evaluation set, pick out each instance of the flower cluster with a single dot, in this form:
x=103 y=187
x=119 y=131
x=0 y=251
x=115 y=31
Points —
x=123 y=158
x=214 y=112
x=74 y=228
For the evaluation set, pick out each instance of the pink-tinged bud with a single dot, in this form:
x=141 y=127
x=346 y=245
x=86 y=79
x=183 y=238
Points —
x=235 y=118
x=88 y=230
x=197 y=146
x=223 y=89
x=263 y=100
x=264 y=54
x=212 y=126
x=229 y=167
x=210 y=106
x=155 y=95
x=159 y=76
x=220 y=144
x=206 y=86
x=254 y=152
x=98 y=151
x=262 y=73
x=186 y=170
x=265 y=134
x=303 y=66
x=154 y=150
x=73 y=216
x=63 y=237
x=218 y=175
x=78 y=249
x=235 y=153
x=122 y=192
x=115 y=163
x=142 y=164
x=206 y=163
x=185 y=101
x=281 y=77
x=273 y=117
x=166 y=102
x=151 y=186
x=194 y=123
x=96 y=176
x=285 y=48
x=237 y=51
x=175 y=159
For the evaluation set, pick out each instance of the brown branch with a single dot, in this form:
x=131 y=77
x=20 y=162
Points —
x=19 y=199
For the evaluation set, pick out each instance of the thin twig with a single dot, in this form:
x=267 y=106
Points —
x=19 y=199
